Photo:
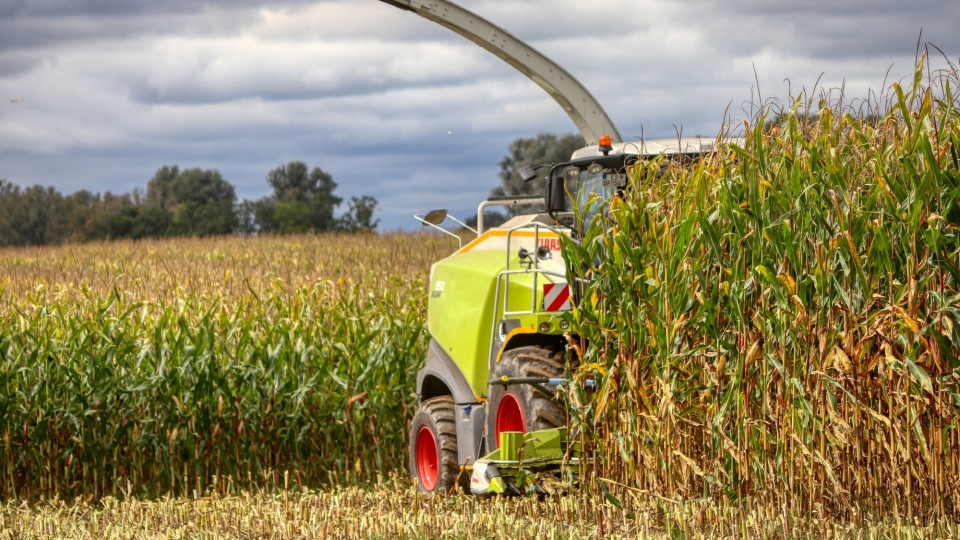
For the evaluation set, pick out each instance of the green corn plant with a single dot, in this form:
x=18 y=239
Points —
x=155 y=367
x=779 y=323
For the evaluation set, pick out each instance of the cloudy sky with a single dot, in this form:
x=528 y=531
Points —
x=391 y=104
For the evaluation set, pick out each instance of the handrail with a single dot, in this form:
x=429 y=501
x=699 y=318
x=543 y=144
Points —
x=464 y=225
x=507 y=273
x=504 y=201
x=536 y=261
x=496 y=297
x=503 y=278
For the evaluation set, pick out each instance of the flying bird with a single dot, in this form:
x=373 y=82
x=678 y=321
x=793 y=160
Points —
x=16 y=100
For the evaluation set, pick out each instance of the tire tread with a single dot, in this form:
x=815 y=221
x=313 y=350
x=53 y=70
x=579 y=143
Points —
x=440 y=413
x=540 y=411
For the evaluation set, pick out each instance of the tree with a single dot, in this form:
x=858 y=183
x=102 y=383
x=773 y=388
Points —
x=204 y=219
x=79 y=211
x=159 y=188
x=189 y=202
x=303 y=199
x=359 y=215
x=113 y=217
x=32 y=216
x=199 y=203
x=200 y=186
x=544 y=149
x=246 y=217
x=265 y=214
x=150 y=222
x=38 y=215
x=9 y=208
x=293 y=217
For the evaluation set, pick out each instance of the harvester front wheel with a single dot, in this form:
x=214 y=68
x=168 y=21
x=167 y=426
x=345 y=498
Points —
x=433 y=446
x=522 y=407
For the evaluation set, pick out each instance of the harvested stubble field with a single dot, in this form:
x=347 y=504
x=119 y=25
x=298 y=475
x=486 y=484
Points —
x=393 y=509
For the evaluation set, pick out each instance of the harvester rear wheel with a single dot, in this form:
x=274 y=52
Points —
x=433 y=446
x=522 y=407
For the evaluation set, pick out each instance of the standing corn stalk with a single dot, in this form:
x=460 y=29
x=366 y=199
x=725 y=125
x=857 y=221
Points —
x=780 y=324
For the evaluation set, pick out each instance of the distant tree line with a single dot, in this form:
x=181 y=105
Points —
x=191 y=202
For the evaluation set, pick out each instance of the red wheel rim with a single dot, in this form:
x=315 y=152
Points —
x=510 y=416
x=428 y=463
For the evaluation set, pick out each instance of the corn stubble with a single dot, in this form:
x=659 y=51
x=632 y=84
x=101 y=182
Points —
x=153 y=367
x=393 y=509
x=779 y=326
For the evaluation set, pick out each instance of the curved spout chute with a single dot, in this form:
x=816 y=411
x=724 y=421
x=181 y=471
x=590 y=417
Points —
x=573 y=97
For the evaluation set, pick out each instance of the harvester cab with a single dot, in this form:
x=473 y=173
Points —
x=498 y=308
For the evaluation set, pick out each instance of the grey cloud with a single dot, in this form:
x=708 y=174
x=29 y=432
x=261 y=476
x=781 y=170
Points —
x=29 y=33
x=271 y=75
x=15 y=63
x=567 y=19
x=832 y=7
x=827 y=28
x=117 y=8
x=32 y=24
x=33 y=27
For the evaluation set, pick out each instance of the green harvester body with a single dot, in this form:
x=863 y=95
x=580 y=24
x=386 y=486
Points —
x=462 y=308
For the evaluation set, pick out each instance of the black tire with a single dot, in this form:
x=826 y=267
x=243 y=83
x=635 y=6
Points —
x=539 y=411
x=438 y=415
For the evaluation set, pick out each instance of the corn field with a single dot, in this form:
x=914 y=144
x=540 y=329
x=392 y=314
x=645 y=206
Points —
x=152 y=367
x=774 y=330
x=779 y=325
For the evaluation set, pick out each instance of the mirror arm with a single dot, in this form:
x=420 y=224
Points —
x=419 y=217
x=462 y=224
x=534 y=169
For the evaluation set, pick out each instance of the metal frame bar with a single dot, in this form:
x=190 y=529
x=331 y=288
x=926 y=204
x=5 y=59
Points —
x=419 y=217
x=503 y=278
x=519 y=200
x=531 y=462
x=537 y=382
x=536 y=265
x=464 y=225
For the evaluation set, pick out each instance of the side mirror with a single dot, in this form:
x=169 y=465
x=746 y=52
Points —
x=435 y=217
x=555 y=195
x=527 y=173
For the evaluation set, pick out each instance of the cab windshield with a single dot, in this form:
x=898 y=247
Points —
x=594 y=186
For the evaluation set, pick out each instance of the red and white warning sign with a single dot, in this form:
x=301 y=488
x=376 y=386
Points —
x=556 y=297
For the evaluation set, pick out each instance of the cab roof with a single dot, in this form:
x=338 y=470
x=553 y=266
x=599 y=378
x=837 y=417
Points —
x=688 y=145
